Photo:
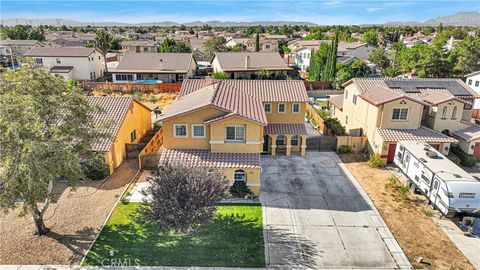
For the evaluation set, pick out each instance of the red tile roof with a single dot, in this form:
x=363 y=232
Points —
x=416 y=134
x=205 y=158
x=265 y=90
x=284 y=129
x=337 y=101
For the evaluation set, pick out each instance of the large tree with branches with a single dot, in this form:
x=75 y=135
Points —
x=46 y=136
x=183 y=197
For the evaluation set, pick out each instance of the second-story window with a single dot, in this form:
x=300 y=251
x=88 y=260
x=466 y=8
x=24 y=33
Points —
x=470 y=81
x=454 y=112
x=400 y=114
x=346 y=94
x=354 y=99
x=133 y=136
x=235 y=133
x=295 y=108
x=281 y=107
x=267 y=107
x=179 y=131
x=198 y=131
x=477 y=83
x=39 y=61
x=58 y=61
x=444 y=112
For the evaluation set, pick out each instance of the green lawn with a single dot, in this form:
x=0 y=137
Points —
x=235 y=238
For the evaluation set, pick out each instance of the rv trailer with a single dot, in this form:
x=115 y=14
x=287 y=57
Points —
x=448 y=187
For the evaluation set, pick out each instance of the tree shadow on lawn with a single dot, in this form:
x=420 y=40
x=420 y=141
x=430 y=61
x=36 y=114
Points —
x=230 y=240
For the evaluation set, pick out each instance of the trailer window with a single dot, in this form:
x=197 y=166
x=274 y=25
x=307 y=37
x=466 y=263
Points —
x=435 y=185
x=464 y=195
x=425 y=179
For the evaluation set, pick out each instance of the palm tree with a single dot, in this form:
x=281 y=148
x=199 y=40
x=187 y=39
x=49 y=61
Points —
x=102 y=43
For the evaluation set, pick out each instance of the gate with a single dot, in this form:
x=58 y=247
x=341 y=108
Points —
x=322 y=143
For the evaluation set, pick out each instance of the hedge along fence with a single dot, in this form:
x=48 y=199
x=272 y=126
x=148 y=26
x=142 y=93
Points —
x=129 y=88
x=313 y=115
x=358 y=143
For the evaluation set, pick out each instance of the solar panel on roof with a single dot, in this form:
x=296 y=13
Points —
x=414 y=86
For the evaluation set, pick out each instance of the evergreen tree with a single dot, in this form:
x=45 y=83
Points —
x=257 y=43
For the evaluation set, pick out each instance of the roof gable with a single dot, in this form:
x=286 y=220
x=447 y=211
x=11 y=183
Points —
x=231 y=61
x=155 y=62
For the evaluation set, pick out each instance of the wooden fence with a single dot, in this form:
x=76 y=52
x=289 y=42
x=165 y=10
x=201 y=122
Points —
x=129 y=88
x=148 y=157
x=318 y=85
x=312 y=114
x=358 y=143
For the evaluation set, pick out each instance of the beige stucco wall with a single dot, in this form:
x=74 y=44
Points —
x=439 y=123
x=414 y=117
x=274 y=117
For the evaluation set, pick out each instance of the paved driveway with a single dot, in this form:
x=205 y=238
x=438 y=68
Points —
x=316 y=217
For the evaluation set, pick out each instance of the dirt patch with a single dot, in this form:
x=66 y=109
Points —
x=152 y=100
x=408 y=217
x=75 y=219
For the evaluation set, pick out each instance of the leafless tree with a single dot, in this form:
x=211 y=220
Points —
x=183 y=197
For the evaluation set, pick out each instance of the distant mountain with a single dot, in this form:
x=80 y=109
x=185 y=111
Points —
x=60 y=22
x=471 y=18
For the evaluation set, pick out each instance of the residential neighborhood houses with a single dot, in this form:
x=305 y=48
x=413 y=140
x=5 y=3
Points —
x=242 y=146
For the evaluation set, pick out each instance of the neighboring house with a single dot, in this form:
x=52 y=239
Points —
x=6 y=57
x=12 y=49
x=248 y=65
x=70 y=63
x=303 y=50
x=125 y=121
x=266 y=45
x=234 y=41
x=165 y=67
x=389 y=110
x=278 y=38
x=138 y=46
x=226 y=124
x=473 y=80
x=359 y=50
x=69 y=42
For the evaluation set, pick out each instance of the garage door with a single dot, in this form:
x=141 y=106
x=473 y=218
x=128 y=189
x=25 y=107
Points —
x=476 y=151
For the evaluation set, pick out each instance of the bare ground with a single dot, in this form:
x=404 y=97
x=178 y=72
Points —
x=151 y=100
x=407 y=216
x=74 y=219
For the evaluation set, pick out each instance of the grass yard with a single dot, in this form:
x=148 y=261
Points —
x=234 y=238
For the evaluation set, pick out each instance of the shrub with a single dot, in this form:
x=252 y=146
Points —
x=344 y=149
x=96 y=171
x=454 y=158
x=239 y=189
x=335 y=126
x=376 y=161
x=220 y=75
x=314 y=122
x=323 y=114
x=392 y=181
x=465 y=159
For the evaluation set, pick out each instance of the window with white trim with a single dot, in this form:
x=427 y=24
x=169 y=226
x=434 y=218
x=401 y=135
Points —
x=235 y=133
x=470 y=81
x=198 y=131
x=400 y=114
x=281 y=107
x=354 y=99
x=280 y=140
x=444 y=112
x=294 y=140
x=239 y=176
x=180 y=130
x=295 y=108
x=267 y=107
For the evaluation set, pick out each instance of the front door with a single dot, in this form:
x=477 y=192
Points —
x=391 y=152
x=265 y=143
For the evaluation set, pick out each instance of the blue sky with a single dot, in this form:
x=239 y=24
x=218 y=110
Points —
x=325 y=12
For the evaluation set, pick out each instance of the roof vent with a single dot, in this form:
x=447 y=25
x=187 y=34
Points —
x=457 y=175
x=423 y=160
x=431 y=154
x=247 y=62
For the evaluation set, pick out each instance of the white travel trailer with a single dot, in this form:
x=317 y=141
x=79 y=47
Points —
x=448 y=187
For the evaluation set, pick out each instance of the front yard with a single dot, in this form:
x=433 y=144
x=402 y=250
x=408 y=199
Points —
x=234 y=238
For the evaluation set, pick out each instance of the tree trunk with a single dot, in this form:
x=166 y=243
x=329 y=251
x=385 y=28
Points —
x=106 y=67
x=38 y=220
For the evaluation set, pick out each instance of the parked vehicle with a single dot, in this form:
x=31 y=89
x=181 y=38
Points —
x=448 y=187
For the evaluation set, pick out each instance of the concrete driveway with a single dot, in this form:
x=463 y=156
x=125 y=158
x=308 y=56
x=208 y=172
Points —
x=316 y=216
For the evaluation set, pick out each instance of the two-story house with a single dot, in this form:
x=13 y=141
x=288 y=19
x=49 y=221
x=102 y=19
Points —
x=390 y=110
x=70 y=63
x=250 y=65
x=140 y=46
x=161 y=67
x=226 y=124
x=473 y=80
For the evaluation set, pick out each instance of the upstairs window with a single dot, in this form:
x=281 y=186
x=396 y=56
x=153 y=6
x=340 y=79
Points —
x=354 y=99
x=39 y=61
x=179 y=131
x=470 y=81
x=281 y=107
x=295 y=108
x=198 y=131
x=444 y=112
x=267 y=107
x=454 y=112
x=133 y=136
x=235 y=133
x=58 y=61
x=477 y=83
x=400 y=114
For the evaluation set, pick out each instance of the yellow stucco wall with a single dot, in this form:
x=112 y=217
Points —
x=138 y=118
x=254 y=137
x=253 y=178
x=288 y=117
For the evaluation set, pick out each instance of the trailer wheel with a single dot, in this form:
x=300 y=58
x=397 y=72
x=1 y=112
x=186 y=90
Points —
x=411 y=187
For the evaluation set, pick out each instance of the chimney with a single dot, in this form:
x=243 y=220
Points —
x=208 y=80
x=247 y=62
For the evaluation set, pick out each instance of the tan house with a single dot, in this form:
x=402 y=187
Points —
x=126 y=121
x=140 y=46
x=226 y=124
x=250 y=65
x=389 y=110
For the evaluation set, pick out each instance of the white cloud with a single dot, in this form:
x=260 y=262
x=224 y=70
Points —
x=372 y=9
